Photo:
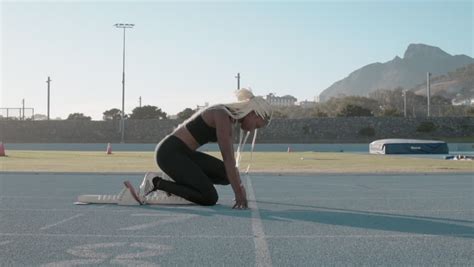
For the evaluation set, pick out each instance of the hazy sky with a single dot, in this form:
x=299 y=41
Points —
x=185 y=53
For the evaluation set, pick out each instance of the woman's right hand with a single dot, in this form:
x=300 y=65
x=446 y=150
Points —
x=241 y=199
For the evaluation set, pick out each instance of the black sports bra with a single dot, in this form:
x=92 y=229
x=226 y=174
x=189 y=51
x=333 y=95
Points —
x=202 y=132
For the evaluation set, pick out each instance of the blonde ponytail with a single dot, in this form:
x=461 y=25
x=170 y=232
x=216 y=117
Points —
x=244 y=94
x=247 y=102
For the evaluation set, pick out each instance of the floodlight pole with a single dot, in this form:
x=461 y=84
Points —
x=48 y=82
x=23 y=109
x=428 y=91
x=122 y=126
x=404 y=103
x=238 y=80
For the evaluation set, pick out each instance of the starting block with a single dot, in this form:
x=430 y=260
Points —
x=129 y=197
x=126 y=197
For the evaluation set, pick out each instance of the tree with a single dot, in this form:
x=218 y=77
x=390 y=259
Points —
x=78 y=116
x=390 y=112
x=334 y=106
x=440 y=100
x=354 y=111
x=185 y=114
x=318 y=113
x=40 y=117
x=112 y=114
x=147 y=112
x=389 y=99
x=279 y=114
x=470 y=112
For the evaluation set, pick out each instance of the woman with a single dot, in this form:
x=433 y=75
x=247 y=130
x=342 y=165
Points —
x=195 y=173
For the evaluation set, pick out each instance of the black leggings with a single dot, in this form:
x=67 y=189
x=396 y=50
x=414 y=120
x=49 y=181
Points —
x=194 y=172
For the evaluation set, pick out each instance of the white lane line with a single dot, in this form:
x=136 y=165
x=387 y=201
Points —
x=262 y=254
x=88 y=209
x=173 y=219
x=370 y=198
x=369 y=236
x=159 y=214
x=335 y=209
x=240 y=236
x=5 y=242
x=34 y=197
x=128 y=236
x=60 y=222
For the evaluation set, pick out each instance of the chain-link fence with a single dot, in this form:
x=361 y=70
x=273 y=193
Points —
x=17 y=113
x=419 y=111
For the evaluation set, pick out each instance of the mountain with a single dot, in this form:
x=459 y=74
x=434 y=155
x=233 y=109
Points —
x=406 y=72
x=458 y=84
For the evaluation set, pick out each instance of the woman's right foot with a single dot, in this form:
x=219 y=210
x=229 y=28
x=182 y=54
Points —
x=149 y=184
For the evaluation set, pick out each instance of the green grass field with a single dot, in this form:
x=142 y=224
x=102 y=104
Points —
x=271 y=162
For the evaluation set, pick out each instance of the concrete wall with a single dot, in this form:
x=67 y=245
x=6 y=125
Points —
x=321 y=130
x=363 y=129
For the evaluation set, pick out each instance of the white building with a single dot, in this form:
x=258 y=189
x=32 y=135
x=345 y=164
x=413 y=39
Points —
x=281 y=101
x=307 y=104
x=464 y=102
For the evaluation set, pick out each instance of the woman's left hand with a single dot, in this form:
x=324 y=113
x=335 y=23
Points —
x=241 y=199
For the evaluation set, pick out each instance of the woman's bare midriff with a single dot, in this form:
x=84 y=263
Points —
x=185 y=136
x=183 y=133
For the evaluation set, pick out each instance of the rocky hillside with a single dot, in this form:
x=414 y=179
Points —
x=458 y=84
x=407 y=72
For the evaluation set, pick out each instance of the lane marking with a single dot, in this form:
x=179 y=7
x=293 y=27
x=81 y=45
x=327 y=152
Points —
x=370 y=198
x=88 y=209
x=60 y=222
x=5 y=242
x=91 y=250
x=126 y=235
x=34 y=197
x=171 y=219
x=369 y=236
x=423 y=211
x=262 y=254
x=159 y=215
x=239 y=236
x=114 y=208
x=346 y=210
x=67 y=263
x=95 y=254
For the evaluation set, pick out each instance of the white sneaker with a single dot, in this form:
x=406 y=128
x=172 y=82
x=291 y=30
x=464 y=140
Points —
x=146 y=187
x=161 y=197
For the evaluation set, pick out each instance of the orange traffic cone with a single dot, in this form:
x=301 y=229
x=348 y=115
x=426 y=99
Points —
x=109 y=149
x=2 y=150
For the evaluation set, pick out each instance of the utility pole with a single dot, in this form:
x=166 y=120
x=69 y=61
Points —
x=428 y=91
x=123 y=26
x=140 y=101
x=238 y=80
x=48 y=82
x=23 y=109
x=404 y=103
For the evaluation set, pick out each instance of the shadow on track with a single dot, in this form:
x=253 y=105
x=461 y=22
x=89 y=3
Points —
x=341 y=217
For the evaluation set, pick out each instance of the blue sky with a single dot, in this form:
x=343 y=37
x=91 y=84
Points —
x=185 y=53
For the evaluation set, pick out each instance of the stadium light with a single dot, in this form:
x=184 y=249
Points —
x=122 y=126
